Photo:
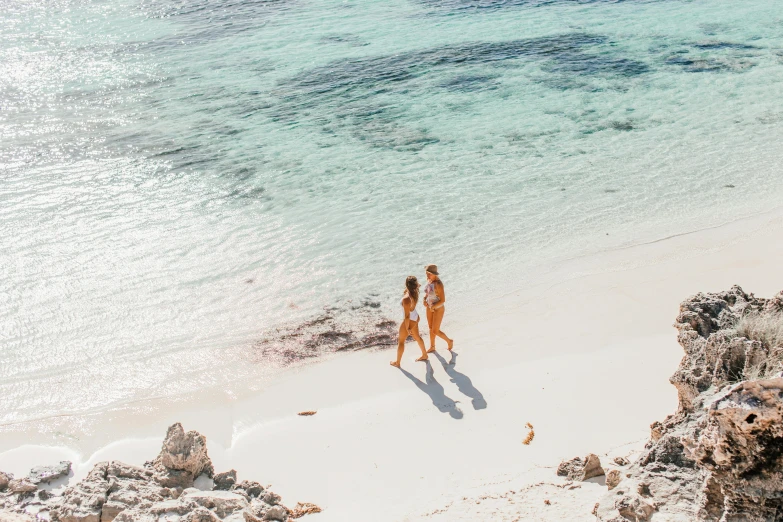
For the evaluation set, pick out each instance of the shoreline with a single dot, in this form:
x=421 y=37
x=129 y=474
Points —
x=563 y=270
x=375 y=429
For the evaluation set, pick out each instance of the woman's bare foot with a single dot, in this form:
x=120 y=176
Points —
x=451 y=344
x=395 y=364
x=422 y=358
x=431 y=350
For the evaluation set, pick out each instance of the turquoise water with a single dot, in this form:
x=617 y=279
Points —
x=196 y=193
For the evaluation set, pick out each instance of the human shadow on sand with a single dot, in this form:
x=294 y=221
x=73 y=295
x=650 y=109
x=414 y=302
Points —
x=463 y=382
x=433 y=388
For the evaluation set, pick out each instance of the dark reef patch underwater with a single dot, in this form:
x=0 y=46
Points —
x=365 y=94
x=489 y=5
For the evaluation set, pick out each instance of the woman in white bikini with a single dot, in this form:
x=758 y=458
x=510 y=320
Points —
x=410 y=320
x=435 y=301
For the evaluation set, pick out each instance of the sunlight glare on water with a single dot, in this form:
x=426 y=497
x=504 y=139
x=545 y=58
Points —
x=196 y=193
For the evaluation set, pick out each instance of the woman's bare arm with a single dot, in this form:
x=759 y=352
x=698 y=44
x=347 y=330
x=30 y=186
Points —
x=406 y=320
x=440 y=291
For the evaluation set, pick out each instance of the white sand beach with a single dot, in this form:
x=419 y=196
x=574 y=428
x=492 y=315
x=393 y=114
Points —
x=584 y=355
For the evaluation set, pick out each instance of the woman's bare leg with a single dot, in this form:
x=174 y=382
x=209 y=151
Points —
x=400 y=346
x=419 y=340
x=436 y=322
x=430 y=323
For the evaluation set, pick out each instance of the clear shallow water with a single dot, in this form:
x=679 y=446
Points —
x=194 y=193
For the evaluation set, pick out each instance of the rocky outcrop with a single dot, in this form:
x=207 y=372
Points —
x=48 y=474
x=304 y=508
x=579 y=469
x=21 y=486
x=741 y=446
x=720 y=456
x=613 y=478
x=775 y=304
x=84 y=501
x=5 y=478
x=225 y=481
x=182 y=458
x=160 y=491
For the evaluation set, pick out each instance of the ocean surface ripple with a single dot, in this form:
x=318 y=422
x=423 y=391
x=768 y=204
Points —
x=198 y=193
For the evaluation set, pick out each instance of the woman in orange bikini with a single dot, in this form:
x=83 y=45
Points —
x=410 y=320
x=435 y=301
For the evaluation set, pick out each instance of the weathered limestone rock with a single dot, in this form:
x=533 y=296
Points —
x=22 y=485
x=16 y=517
x=111 y=509
x=742 y=446
x=84 y=501
x=118 y=492
x=5 y=478
x=592 y=467
x=201 y=514
x=775 y=304
x=276 y=513
x=121 y=470
x=621 y=461
x=225 y=480
x=250 y=517
x=720 y=456
x=613 y=478
x=303 y=508
x=252 y=489
x=185 y=452
x=222 y=503
x=47 y=474
x=239 y=516
x=271 y=498
x=133 y=516
x=174 y=478
x=634 y=508
x=172 y=507
x=257 y=509
x=131 y=490
x=581 y=469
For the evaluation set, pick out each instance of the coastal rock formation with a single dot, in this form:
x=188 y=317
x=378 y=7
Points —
x=183 y=458
x=21 y=486
x=613 y=478
x=5 y=478
x=741 y=447
x=581 y=469
x=720 y=456
x=225 y=481
x=304 y=508
x=47 y=474
x=160 y=491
